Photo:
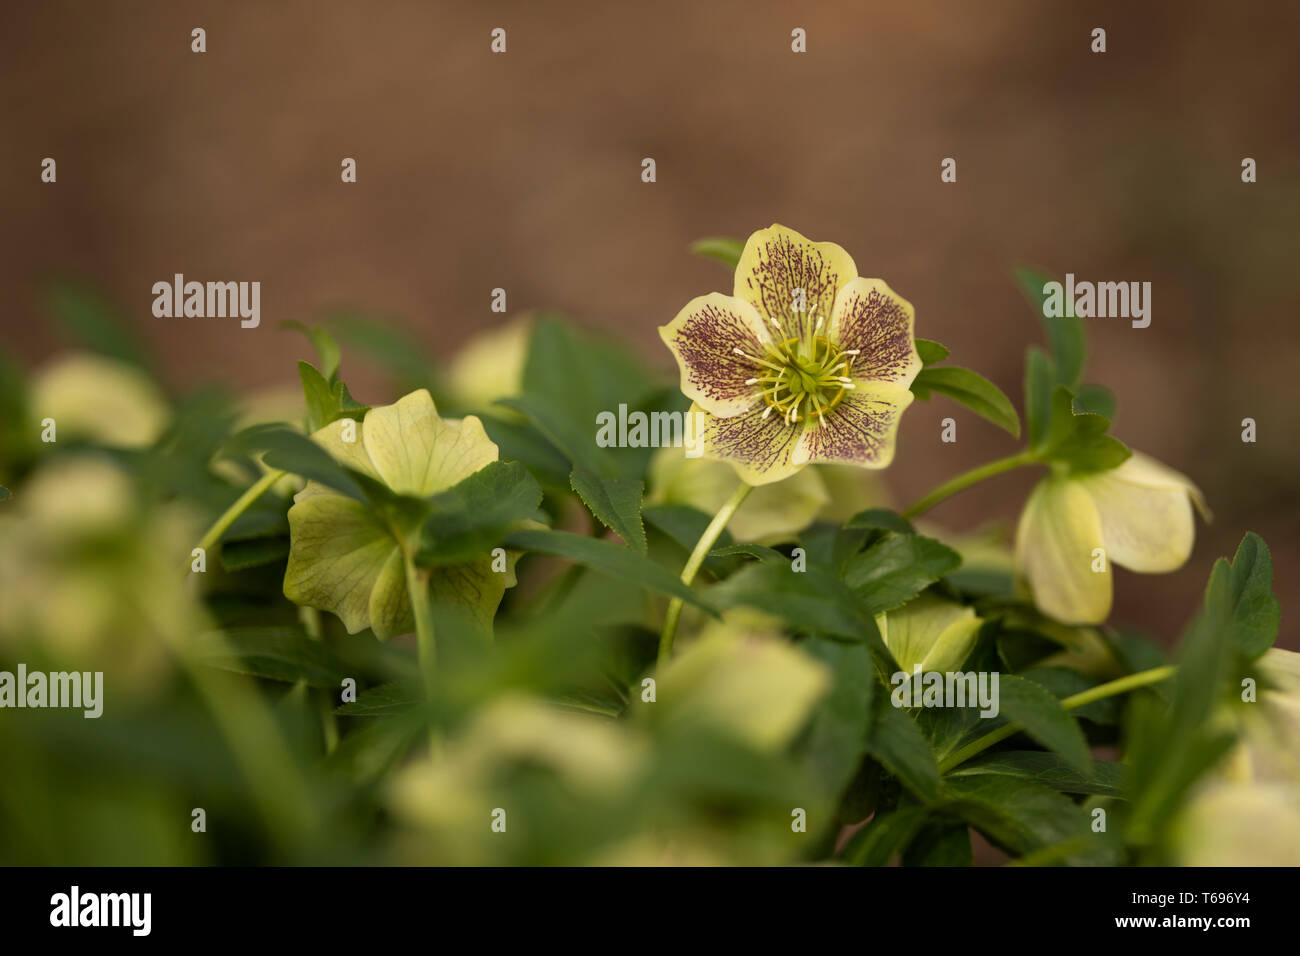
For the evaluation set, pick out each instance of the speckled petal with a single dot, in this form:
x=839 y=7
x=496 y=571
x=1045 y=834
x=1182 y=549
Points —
x=861 y=430
x=704 y=338
x=872 y=319
x=759 y=448
x=778 y=261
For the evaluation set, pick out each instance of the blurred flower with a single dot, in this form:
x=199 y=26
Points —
x=491 y=366
x=742 y=677
x=92 y=577
x=930 y=631
x=347 y=559
x=1139 y=515
x=1248 y=813
x=101 y=400
x=805 y=362
x=772 y=513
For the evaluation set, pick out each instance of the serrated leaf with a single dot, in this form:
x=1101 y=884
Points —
x=881 y=518
x=1017 y=814
x=1097 y=399
x=837 y=738
x=606 y=557
x=971 y=389
x=1040 y=379
x=1080 y=440
x=295 y=453
x=885 y=837
x=615 y=501
x=470 y=518
x=383 y=701
x=722 y=249
x=1042 y=717
x=1103 y=778
x=898 y=743
x=326 y=348
x=1066 y=335
x=897 y=568
x=1246 y=599
x=811 y=600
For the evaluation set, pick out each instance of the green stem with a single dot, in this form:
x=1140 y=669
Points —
x=1119 y=686
x=965 y=480
x=242 y=504
x=417 y=587
x=693 y=563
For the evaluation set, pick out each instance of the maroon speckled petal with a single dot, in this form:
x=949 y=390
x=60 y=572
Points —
x=860 y=430
x=871 y=318
x=704 y=338
x=778 y=261
x=760 y=449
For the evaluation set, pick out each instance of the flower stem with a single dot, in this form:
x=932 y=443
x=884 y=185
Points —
x=1119 y=686
x=702 y=549
x=242 y=504
x=965 y=480
x=417 y=588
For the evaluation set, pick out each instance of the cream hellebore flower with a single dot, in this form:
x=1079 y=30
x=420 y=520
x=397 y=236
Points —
x=1138 y=515
x=345 y=558
x=805 y=362
x=930 y=632
x=100 y=399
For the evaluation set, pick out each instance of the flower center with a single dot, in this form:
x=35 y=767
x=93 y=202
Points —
x=803 y=377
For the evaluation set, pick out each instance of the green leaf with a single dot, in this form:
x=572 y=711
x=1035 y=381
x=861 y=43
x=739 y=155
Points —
x=1035 y=709
x=1014 y=813
x=292 y=452
x=885 y=837
x=897 y=568
x=472 y=516
x=615 y=501
x=940 y=844
x=253 y=552
x=326 y=348
x=930 y=351
x=685 y=525
x=276 y=653
x=1066 y=336
x=1097 y=399
x=898 y=743
x=721 y=248
x=837 y=738
x=1245 y=598
x=811 y=601
x=972 y=390
x=881 y=518
x=1103 y=778
x=385 y=700
x=608 y=558
x=326 y=401
x=5 y=495
x=1040 y=378
x=94 y=322
x=1080 y=440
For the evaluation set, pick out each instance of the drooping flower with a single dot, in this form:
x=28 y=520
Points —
x=1138 y=515
x=99 y=399
x=347 y=559
x=804 y=362
x=930 y=632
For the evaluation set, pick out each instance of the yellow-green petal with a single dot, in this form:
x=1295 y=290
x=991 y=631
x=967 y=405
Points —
x=930 y=631
x=1055 y=543
x=418 y=453
x=104 y=400
x=1146 y=514
x=716 y=340
x=875 y=321
x=780 y=270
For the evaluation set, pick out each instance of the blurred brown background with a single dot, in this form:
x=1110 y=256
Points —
x=523 y=171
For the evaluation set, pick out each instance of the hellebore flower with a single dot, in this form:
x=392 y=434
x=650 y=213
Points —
x=1138 y=515
x=930 y=632
x=805 y=362
x=103 y=400
x=346 y=558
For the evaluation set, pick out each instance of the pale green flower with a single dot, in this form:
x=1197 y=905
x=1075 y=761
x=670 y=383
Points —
x=99 y=399
x=347 y=559
x=930 y=631
x=491 y=366
x=1074 y=527
x=804 y=362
